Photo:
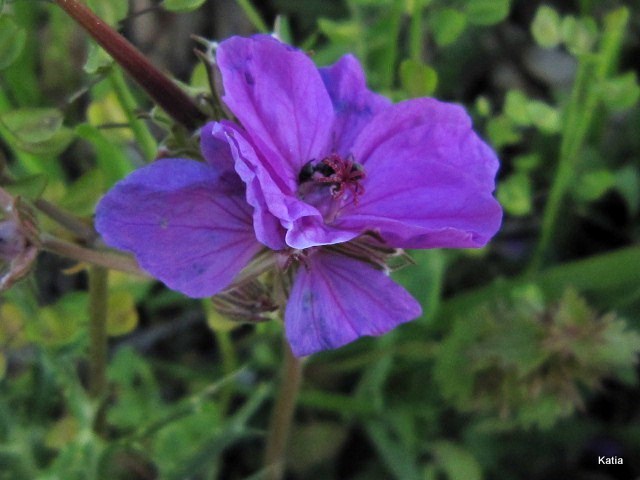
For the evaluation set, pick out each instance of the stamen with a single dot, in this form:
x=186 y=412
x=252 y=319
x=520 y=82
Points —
x=340 y=174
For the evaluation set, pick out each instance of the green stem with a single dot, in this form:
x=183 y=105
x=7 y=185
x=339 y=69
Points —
x=145 y=140
x=580 y=112
x=98 y=292
x=253 y=15
x=229 y=365
x=416 y=36
x=67 y=220
x=282 y=416
x=102 y=258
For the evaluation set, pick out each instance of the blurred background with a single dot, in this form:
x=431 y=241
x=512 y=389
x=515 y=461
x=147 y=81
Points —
x=524 y=364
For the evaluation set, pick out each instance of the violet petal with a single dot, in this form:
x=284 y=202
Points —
x=354 y=104
x=336 y=300
x=429 y=178
x=278 y=96
x=185 y=225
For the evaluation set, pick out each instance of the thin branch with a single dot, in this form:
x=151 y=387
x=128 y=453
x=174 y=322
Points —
x=159 y=87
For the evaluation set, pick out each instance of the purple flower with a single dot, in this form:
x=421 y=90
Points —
x=324 y=161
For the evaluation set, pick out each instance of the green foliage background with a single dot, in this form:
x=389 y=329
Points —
x=524 y=365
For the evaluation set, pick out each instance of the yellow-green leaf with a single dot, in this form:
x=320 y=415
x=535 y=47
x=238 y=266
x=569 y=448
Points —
x=122 y=316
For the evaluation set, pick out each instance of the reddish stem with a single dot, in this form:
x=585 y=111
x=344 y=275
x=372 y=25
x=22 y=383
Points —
x=159 y=87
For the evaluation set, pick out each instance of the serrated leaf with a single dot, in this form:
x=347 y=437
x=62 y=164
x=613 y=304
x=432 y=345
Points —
x=487 y=12
x=447 y=25
x=418 y=79
x=182 y=5
x=546 y=27
x=12 y=40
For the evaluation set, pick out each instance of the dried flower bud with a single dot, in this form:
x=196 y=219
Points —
x=18 y=240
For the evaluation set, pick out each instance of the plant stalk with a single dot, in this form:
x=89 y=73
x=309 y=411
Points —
x=102 y=258
x=282 y=416
x=159 y=87
x=98 y=346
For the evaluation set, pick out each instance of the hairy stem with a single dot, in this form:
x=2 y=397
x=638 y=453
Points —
x=159 y=87
x=282 y=415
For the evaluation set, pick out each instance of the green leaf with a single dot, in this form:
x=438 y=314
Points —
x=110 y=158
x=98 y=60
x=418 y=79
x=12 y=40
x=487 y=12
x=122 y=316
x=398 y=460
x=110 y=11
x=501 y=132
x=33 y=125
x=515 y=108
x=38 y=130
x=327 y=439
x=82 y=196
x=621 y=92
x=30 y=187
x=546 y=27
x=592 y=185
x=61 y=323
x=340 y=32
x=628 y=185
x=182 y=5
x=527 y=162
x=515 y=194
x=579 y=35
x=447 y=25
x=456 y=462
x=543 y=116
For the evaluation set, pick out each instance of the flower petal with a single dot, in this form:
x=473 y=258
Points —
x=215 y=150
x=336 y=299
x=278 y=95
x=353 y=102
x=429 y=178
x=185 y=225
x=263 y=194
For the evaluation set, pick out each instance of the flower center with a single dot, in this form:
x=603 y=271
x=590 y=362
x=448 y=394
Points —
x=339 y=174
